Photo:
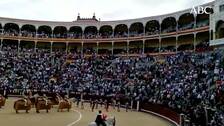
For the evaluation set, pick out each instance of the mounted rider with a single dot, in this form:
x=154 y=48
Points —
x=67 y=99
x=45 y=98
x=60 y=99
x=25 y=99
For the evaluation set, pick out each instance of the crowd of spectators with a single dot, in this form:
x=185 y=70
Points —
x=10 y=33
x=28 y=34
x=186 y=26
x=185 y=82
x=75 y=35
x=153 y=32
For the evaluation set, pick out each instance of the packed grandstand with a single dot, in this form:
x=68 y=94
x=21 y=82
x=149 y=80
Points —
x=164 y=60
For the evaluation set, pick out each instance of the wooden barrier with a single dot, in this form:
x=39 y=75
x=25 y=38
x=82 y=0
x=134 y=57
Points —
x=161 y=111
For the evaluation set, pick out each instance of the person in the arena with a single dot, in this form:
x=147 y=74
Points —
x=107 y=104
x=113 y=104
x=96 y=103
x=93 y=104
x=25 y=99
x=126 y=106
x=101 y=102
x=45 y=98
x=82 y=100
x=6 y=91
x=78 y=100
x=82 y=103
x=118 y=106
x=104 y=116
x=99 y=119
x=66 y=98
x=60 y=99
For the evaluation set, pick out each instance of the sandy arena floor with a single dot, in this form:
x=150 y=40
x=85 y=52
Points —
x=76 y=117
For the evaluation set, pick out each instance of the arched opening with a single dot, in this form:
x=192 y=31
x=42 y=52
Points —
x=59 y=47
x=168 y=25
x=75 y=32
x=10 y=46
x=106 y=31
x=185 y=42
x=152 y=46
x=27 y=46
x=220 y=29
x=152 y=27
x=202 y=41
x=202 y=20
x=90 y=32
x=28 y=30
x=105 y=48
x=186 y=21
x=43 y=47
x=136 y=29
x=135 y=47
x=120 y=48
x=121 y=30
x=168 y=44
x=44 y=31
x=74 y=48
x=11 y=29
x=60 y=32
x=89 y=48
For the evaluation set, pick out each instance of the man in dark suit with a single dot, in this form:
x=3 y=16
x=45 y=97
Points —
x=6 y=91
x=99 y=120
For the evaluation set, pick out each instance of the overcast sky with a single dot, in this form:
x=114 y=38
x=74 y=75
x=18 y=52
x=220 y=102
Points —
x=67 y=10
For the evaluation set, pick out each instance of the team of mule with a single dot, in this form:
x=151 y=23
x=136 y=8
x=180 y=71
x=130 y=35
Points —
x=41 y=103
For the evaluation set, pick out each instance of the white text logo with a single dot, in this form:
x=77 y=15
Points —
x=201 y=10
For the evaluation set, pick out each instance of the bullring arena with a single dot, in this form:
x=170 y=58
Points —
x=76 y=117
x=165 y=70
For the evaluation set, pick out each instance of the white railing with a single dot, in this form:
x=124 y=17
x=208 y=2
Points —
x=217 y=42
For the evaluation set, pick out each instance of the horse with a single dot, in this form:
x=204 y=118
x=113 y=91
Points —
x=64 y=104
x=111 y=121
x=22 y=104
x=2 y=101
x=42 y=104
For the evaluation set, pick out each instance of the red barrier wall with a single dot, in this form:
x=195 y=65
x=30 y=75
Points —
x=161 y=110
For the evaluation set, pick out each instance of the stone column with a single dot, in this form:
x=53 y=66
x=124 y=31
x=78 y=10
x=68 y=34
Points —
x=195 y=35
x=112 y=48
x=35 y=46
x=143 y=47
x=97 y=47
x=18 y=48
x=176 y=43
x=66 y=50
x=51 y=49
x=128 y=47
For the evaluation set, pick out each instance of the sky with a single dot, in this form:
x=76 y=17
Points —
x=106 y=10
